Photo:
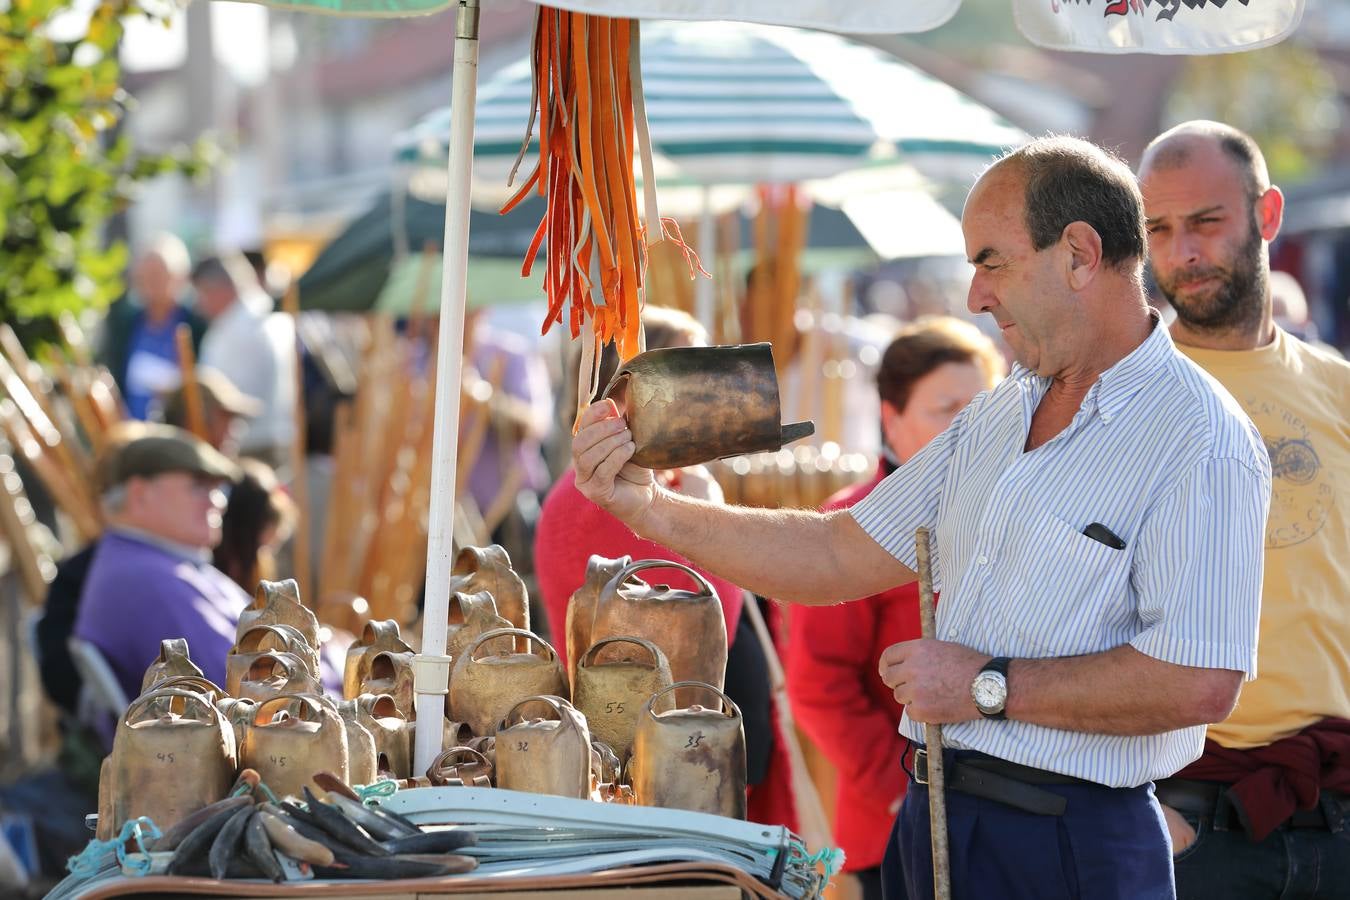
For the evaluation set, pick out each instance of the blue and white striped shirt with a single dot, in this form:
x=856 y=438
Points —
x=1161 y=455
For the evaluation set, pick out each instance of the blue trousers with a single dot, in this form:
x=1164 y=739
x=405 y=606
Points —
x=1110 y=844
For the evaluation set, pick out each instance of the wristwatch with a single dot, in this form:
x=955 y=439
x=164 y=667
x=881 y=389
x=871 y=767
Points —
x=989 y=690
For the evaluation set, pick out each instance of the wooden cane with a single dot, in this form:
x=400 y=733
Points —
x=192 y=388
x=305 y=529
x=35 y=568
x=72 y=453
x=932 y=737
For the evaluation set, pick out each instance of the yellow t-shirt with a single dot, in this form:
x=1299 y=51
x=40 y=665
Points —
x=1299 y=398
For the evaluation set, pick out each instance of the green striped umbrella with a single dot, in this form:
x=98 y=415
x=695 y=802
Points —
x=731 y=103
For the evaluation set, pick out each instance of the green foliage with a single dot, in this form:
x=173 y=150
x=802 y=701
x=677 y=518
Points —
x=64 y=170
x=1283 y=96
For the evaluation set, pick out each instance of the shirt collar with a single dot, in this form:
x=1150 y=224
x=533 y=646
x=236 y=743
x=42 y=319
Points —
x=1126 y=378
x=1123 y=380
x=184 y=551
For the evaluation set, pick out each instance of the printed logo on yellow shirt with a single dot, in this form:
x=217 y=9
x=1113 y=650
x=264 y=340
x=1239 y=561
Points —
x=1302 y=494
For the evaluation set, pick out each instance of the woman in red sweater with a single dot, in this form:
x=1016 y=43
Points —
x=928 y=374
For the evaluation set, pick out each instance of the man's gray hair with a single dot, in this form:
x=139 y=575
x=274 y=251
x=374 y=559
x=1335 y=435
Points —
x=1073 y=180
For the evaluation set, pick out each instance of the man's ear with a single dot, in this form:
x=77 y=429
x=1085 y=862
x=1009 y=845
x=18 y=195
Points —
x=1084 y=256
x=888 y=412
x=1270 y=212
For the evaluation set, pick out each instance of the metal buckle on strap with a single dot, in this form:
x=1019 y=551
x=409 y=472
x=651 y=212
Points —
x=920 y=766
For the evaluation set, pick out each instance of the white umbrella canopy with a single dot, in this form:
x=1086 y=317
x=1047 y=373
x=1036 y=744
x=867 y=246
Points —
x=734 y=103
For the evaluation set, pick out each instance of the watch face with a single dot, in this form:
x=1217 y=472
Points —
x=990 y=692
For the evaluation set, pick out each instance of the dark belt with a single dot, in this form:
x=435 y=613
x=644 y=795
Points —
x=991 y=778
x=1210 y=800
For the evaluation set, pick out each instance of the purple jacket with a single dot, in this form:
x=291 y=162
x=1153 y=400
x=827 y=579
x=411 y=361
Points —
x=140 y=592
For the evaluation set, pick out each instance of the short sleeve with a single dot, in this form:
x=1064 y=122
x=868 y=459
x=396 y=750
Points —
x=1198 y=568
x=908 y=498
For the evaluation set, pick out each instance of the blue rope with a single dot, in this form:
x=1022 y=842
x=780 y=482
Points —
x=370 y=794
x=245 y=788
x=91 y=858
x=831 y=857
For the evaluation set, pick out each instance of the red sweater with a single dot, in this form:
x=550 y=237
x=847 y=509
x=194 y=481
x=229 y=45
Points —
x=570 y=530
x=1267 y=784
x=839 y=699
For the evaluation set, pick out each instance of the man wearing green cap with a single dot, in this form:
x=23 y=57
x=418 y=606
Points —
x=151 y=577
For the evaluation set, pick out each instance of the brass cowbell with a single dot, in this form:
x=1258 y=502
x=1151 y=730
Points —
x=489 y=569
x=614 y=680
x=173 y=660
x=172 y=754
x=292 y=737
x=581 y=608
x=460 y=766
x=262 y=640
x=690 y=758
x=362 y=756
x=688 y=626
x=544 y=755
x=376 y=637
x=483 y=689
x=275 y=673
x=392 y=731
x=278 y=603
x=391 y=673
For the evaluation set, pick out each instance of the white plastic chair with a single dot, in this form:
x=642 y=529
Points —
x=100 y=692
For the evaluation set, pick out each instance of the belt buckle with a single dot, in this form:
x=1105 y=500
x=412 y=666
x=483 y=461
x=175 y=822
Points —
x=921 y=766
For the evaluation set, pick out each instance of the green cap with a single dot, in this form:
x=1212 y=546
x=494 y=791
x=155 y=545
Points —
x=160 y=450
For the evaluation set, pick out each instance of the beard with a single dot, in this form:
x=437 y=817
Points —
x=1237 y=304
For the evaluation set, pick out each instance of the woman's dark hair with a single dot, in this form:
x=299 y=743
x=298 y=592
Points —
x=928 y=344
x=256 y=506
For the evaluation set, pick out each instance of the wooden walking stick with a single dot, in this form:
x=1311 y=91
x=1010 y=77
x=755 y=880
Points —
x=932 y=737
x=305 y=529
x=192 y=389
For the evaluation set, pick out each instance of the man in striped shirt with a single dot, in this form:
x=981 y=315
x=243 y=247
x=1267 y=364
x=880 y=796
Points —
x=1098 y=520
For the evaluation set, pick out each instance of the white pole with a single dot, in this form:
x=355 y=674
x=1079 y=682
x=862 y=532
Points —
x=432 y=666
x=705 y=306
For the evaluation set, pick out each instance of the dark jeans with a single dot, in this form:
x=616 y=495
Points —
x=1110 y=844
x=1290 y=864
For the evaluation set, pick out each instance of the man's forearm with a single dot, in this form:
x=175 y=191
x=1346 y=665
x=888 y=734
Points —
x=1120 y=691
x=795 y=555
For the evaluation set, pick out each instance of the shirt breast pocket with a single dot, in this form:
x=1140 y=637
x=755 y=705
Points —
x=1071 y=590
